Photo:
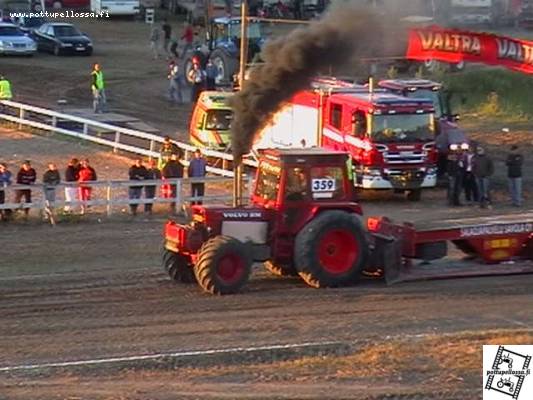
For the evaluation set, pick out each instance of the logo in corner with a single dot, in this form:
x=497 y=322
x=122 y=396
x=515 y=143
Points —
x=506 y=372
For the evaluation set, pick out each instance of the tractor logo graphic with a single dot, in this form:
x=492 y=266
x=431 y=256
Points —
x=510 y=369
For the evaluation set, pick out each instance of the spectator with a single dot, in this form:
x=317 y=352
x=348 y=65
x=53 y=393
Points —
x=455 y=170
x=174 y=88
x=174 y=47
x=71 y=176
x=154 y=41
x=483 y=168
x=152 y=173
x=514 y=163
x=98 y=89
x=211 y=72
x=197 y=77
x=25 y=176
x=51 y=179
x=5 y=89
x=469 y=180
x=166 y=151
x=173 y=169
x=167 y=34
x=5 y=181
x=188 y=37
x=86 y=174
x=137 y=172
x=197 y=169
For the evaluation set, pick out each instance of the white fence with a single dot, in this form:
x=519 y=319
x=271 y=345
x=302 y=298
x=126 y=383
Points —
x=118 y=138
x=111 y=194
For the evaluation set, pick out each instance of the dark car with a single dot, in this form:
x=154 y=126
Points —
x=61 y=38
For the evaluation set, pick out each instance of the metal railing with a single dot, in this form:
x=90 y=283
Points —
x=110 y=194
x=116 y=137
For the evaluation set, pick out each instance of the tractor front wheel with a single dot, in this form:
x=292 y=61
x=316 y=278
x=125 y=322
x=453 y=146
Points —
x=280 y=270
x=223 y=265
x=178 y=267
x=331 y=250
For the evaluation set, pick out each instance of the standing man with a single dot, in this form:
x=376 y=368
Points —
x=514 y=163
x=483 y=170
x=167 y=34
x=154 y=41
x=71 y=176
x=86 y=174
x=5 y=181
x=137 y=172
x=455 y=170
x=5 y=89
x=98 y=89
x=25 y=176
x=51 y=179
x=469 y=180
x=174 y=88
x=187 y=37
x=152 y=173
x=197 y=77
x=173 y=169
x=197 y=169
x=211 y=73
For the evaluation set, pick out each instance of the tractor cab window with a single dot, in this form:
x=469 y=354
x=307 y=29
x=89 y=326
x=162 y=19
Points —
x=254 y=31
x=218 y=120
x=267 y=185
x=296 y=184
x=220 y=31
x=359 y=123
x=327 y=183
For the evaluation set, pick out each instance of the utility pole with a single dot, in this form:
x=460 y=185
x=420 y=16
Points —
x=237 y=178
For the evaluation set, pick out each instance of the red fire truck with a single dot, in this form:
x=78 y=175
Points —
x=391 y=138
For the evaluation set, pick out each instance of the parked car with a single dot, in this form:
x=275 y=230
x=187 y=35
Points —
x=29 y=24
x=60 y=38
x=14 y=41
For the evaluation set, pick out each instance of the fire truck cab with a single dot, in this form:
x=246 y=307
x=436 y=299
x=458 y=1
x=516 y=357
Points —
x=210 y=121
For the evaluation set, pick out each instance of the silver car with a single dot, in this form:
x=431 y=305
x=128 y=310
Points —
x=14 y=41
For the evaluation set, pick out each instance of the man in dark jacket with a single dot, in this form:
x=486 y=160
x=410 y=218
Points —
x=173 y=169
x=25 y=176
x=197 y=169
x=5 y=181
x=455 y=170
x=483 y=169
x=514 y=163
x=152 y=173
x=51 y=179
x=137 y=172
x=166 y=151
x=71 y=176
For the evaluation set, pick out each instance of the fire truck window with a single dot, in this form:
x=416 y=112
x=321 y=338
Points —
x=335 y=117
x=359 y=123
x=268 y=182
x=327 y=183
x=296 y=187
x=218 y=120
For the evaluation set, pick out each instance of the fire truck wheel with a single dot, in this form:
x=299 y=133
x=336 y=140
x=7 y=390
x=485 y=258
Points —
x=223 y=265
x=178 y=267
x=280 y=270
x=331 y=250
x=414 y=194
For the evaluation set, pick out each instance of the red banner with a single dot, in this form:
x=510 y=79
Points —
x=452 y=46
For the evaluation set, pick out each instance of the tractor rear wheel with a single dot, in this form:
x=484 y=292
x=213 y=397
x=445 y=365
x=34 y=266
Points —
x=331 y=250
x=280 y=270
x=223 y=266
x=178 y=267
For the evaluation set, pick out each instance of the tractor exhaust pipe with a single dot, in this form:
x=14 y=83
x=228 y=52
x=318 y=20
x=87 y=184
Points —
x=237 y=186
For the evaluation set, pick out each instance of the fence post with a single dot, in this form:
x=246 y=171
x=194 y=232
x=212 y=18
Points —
x=109 y=208
x=152 y=148
x=117 y=141
x=22 y=115
x=54 y=121
x=178 y=206
x=85 y=129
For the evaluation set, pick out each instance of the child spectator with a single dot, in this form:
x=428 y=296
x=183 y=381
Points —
x=137 y=172
x=25 y=176
x=152 y=173
x=173 y=169
x=86 y=174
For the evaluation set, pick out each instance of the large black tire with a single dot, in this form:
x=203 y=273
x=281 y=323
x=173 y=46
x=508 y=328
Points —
x=226 y=65
x=331 y=250
x=280 y=270
x=223 y=266
x=178 y=267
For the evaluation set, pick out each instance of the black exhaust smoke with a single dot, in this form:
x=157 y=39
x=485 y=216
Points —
x=344 y=35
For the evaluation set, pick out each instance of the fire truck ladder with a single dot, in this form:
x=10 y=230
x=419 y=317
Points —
x=498 y=358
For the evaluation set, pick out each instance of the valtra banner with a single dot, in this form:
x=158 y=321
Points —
x=452 y=46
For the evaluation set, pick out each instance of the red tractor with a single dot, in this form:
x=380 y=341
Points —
x=302 y=220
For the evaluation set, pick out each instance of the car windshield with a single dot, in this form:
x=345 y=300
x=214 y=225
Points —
x=402 y=128
x=218 y=120
x=66 y=31
x=254 y=30
x=268 y=182
x=10 y=31
x=432 y=95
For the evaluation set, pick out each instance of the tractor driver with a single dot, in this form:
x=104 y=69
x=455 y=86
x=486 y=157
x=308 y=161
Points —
x=296 y=188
